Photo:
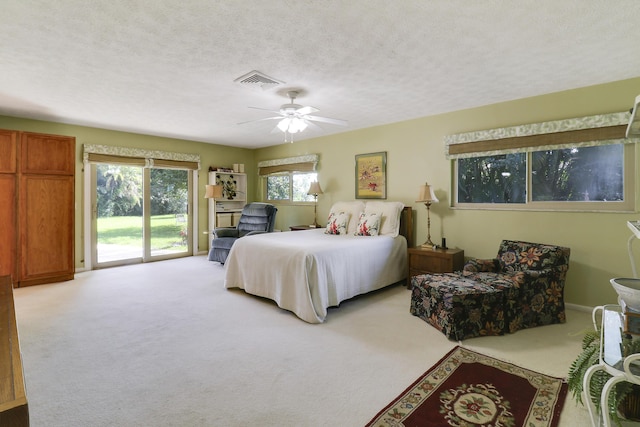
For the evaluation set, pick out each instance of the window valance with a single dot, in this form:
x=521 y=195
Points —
x=578 y=132
x=139 y=157
x=306 y=163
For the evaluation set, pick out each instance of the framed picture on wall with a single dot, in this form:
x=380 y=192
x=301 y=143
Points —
x=371 y=176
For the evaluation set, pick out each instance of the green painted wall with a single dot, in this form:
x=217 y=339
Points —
x=415 y=154
x=210 y=155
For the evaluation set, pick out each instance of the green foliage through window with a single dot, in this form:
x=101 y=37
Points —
x=585 y=174
x=492 y=179
x=119 y=190
x=290 y=186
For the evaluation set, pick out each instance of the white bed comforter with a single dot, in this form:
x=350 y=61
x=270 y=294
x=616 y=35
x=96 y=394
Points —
x=308 y=271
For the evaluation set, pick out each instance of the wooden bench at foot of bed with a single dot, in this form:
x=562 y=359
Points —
x=13 y=398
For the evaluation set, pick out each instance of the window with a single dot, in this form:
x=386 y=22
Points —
x=565 y=179
x=492 y=179
x=291 y=186
x=573 y=165
x=288 y=180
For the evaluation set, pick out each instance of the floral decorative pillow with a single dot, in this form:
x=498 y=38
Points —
x=368 y=224
x=337 y=223
x=353 y=209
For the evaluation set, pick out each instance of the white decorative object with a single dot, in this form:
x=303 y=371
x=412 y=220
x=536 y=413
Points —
x=628 y=290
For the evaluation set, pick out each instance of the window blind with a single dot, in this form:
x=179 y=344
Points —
x=307 y=163
x=140 y=157
x=578 y=132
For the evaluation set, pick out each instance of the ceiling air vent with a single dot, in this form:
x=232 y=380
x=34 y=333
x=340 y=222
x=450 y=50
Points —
x=257 y=80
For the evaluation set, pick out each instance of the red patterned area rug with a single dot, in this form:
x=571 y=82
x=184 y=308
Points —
x=468 y=389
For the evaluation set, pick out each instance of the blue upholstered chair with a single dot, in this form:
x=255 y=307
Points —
x=255 y=218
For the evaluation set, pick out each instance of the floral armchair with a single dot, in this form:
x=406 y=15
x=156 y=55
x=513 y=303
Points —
x=522 y=287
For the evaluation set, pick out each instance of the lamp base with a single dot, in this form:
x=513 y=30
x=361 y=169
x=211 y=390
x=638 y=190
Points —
x=428 y=244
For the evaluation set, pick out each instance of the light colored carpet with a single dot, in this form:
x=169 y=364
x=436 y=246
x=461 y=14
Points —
x=164 y=344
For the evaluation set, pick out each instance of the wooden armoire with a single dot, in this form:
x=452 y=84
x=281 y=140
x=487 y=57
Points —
x=36 y=207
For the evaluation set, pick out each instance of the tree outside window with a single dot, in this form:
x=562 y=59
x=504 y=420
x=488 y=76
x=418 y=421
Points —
x=581 y=174
x=290 y=186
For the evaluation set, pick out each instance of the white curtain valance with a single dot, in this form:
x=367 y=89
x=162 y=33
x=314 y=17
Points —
x=578 y=132
x=305 y=163
x=93 y=152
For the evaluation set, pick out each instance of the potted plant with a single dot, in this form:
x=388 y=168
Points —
x=623 y=401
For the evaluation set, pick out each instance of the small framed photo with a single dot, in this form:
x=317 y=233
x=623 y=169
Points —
x=371 y=176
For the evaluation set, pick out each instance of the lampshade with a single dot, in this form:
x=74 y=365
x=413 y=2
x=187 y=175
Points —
x=213 y=192
x=314 y=189
x=427 y=195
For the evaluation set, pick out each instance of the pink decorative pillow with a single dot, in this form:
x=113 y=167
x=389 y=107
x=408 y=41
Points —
x=368 y=224
x=337 y=223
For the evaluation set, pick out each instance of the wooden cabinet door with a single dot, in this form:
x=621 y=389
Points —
x=8 y=225
x=8 y=151
x=47 y=154
x=8 y=206
x=46 y=217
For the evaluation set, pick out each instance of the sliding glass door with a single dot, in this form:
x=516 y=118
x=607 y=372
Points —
x=169 y=213
x=139 y=214
x=117 y=213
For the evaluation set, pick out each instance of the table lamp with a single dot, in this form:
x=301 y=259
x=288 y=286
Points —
x=213 y=192
x=427 y=196
x=314 y=190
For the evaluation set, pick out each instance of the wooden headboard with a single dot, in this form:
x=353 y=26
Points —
x=406 y=225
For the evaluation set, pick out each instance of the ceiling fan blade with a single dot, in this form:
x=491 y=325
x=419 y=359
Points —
x=266 y=109
x=306 y=110
x=338 y=122
x=313 y=125
x=260 y=120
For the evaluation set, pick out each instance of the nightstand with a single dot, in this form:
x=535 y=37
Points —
x=427 y=260
x=301 y=227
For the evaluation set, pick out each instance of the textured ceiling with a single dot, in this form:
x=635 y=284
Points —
x=167 y=68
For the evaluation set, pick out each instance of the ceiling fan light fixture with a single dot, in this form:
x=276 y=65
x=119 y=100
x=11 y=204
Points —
x=292 y=125
x=297 y=125
x=283 y=124
x=295 y=118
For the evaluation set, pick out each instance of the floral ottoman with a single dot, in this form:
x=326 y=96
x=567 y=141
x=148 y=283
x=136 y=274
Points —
x=460 y=307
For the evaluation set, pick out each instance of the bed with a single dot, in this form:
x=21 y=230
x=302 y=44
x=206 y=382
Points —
x=308 y=271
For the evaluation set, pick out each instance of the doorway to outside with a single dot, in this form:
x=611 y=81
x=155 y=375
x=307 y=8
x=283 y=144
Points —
x=139 y=214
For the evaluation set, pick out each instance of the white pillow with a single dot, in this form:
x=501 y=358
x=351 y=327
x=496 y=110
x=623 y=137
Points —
x=391 y=212
x=368 y=224
x=337 y=223
x=354 y=209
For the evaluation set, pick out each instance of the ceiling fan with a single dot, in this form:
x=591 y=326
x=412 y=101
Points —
x=294 y=118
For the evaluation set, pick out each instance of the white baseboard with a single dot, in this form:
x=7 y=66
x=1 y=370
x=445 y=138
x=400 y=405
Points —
x=577 y=307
